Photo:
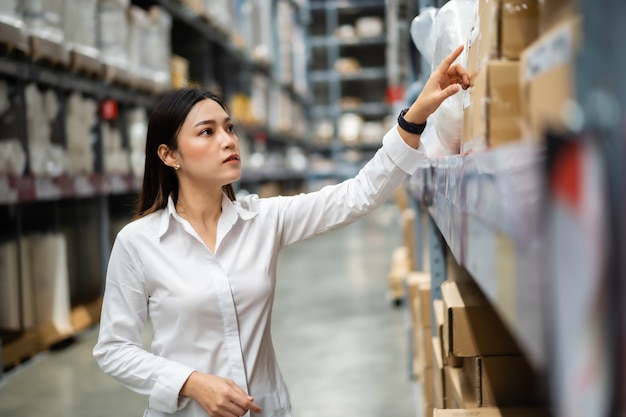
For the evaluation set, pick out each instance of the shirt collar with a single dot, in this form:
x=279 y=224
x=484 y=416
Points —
x=231 y=210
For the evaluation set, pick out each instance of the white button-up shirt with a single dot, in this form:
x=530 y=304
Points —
x=211 y=312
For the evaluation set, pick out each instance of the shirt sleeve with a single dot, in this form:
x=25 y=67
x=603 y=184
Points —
x=307 y=215
x=119 y=350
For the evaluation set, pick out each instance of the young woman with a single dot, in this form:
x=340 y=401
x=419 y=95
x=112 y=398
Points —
x=201 y=266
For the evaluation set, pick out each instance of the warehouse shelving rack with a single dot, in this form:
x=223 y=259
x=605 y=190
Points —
x=91 y=208
x=499 y=215
x=368 y=83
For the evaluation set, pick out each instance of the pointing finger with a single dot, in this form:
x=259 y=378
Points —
x=447 y=61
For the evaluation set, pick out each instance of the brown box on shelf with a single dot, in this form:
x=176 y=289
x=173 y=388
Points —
x=506 y=27
x=519 y=26
x=492 y=412
x=422 y=351
x=494 y=115
x=471 y=325
x=501 y=381
x=459 y=393
x=552 y=12
x=505 y=118
x=439 y=393
x=420 y=283
x=438 y=311
x=398 y=272
x=407 y=221
x=179 y=67
x=547 y=77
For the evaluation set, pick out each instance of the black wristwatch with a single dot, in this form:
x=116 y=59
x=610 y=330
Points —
x=414 y=128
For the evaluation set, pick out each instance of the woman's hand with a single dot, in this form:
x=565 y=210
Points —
x=444 y=82
x=219 y=397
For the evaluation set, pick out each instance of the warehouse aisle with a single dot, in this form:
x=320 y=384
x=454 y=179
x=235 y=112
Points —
x=341 y=345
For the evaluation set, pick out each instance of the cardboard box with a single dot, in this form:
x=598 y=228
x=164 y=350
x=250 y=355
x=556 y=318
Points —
x=501 y=381
x=459 y=393
x=504 y=114
x=439 y=393
x=471 y=325
x=438 y=311
x=552 y=12
x=494 y=113
x=492 y=412
x=519 y=26
x=547 y=77
x=408 y=233
x=505 y=29
x=422 y=350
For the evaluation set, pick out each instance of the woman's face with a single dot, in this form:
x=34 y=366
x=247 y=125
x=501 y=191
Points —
x=208 y=149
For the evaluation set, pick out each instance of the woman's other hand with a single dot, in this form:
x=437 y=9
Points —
x=219 y=397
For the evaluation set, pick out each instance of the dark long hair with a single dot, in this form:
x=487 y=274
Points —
x=159 y=180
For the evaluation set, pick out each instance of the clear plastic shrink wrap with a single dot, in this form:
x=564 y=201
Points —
x=436 y=35
x=113 y=32
x=80 y=120
x=44 y=18
x=12 y=155
x=46 y=158
x=80 y=26
x=137 y=129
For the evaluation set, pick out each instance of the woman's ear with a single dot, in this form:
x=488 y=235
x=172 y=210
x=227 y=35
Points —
x=167 y=156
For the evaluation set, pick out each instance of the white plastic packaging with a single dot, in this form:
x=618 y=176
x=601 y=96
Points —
x=451 y=25
x=113 y=32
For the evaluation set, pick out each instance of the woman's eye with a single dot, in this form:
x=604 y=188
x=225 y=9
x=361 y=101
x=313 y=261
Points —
x=231 y=128
x=206 y=132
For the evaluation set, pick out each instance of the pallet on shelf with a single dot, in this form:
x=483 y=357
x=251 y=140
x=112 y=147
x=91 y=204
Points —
x=47 y=50
x=18 y=347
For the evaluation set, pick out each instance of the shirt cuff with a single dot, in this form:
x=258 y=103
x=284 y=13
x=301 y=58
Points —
x=405 y=157
x=165 y=395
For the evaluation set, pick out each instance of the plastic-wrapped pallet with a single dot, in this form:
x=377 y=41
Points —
x=157 y=47
x=50 y=280
x=116 y=157
x=8 y=9
x=79 y=24
x=44 y=18
x=262 y=31
x=46 y=158
x=12 y=154
x=138 y=26
x=113 y=32
x=137 y=129
x=9 y=287
x=80 y=120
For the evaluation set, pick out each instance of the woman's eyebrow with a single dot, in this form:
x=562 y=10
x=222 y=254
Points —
x=210 y=122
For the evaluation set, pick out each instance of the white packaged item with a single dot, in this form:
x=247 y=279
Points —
x=349 y=128
x=50 y=279
x=157 y=48
x=372 y=132
x=113 y=32
x=369 y=27
x=79 y=26
x=9 y=287
x=137 y=129
x=12 y=157
x=80 y=119
x=8 y=9
x=450 y=28
x=44 y=18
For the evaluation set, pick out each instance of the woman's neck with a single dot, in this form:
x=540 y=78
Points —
x=199 y=207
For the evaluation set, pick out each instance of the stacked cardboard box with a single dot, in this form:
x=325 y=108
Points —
x=491 y=113
x=520 y=57
x=477 y=365
x=402 y=261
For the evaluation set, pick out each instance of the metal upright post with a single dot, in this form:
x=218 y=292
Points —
x=437 y=262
